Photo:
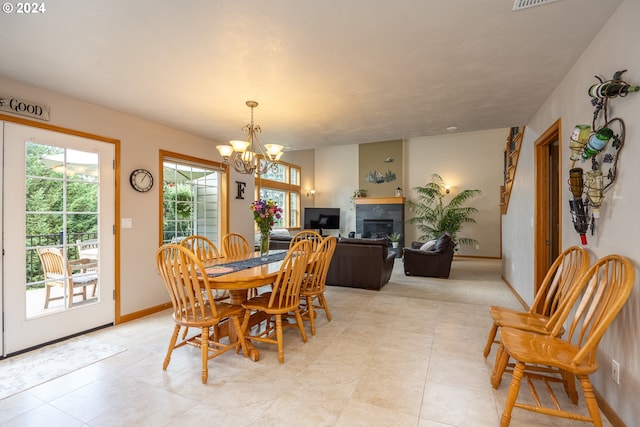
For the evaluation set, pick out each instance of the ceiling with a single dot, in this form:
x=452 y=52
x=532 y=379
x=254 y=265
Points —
x=327 y=72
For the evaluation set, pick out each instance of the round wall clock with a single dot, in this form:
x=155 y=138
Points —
x=141 y=180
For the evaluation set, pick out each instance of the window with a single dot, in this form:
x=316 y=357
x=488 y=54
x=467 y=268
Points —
x=283 y=186
x=193 y=198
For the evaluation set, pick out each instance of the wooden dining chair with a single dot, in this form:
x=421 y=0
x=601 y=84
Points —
x=282 y=299
x=202 y=247
x=205 y=250
x=313 y=237
x=563 y=274
x=234 y=244
x=59 y=272
x=314 y=282
x=194 y=306
x=604 y=289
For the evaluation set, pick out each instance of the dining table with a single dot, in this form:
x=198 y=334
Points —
x=239 y=274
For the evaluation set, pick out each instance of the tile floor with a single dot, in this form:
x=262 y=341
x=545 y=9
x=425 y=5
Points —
x=409 y=355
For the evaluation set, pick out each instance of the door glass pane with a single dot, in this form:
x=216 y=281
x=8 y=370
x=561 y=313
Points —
x=62 y=190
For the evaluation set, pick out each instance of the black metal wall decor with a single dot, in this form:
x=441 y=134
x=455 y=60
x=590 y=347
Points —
x=596 y=148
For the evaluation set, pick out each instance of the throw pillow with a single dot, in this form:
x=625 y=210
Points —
x=442 y=243
x=428 y=246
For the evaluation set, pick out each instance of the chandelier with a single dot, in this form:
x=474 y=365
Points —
x=249 y=157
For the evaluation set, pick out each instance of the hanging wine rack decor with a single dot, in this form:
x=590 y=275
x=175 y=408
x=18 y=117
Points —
x=601 y=144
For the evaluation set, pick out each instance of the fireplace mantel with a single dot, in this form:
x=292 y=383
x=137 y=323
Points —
x=379 y=200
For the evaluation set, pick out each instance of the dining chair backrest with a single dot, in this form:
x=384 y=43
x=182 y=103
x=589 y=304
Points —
x=562 y=276
x=204 y=249
x=186 y=282
x=604 y=289
x=310 y=235
x=316 y=275
x=52 y=262
x=87 y=248
x=285 y=292
x=234 y=244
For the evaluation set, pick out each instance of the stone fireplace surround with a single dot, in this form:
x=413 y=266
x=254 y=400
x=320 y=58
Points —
x=380 y=209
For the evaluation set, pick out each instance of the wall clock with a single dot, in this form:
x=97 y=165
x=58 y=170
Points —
x=141 y=180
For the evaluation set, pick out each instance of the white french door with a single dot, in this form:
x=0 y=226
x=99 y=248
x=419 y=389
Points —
x=58 y=196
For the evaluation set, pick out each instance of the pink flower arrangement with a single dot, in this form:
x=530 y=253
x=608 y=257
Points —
x=265 y=212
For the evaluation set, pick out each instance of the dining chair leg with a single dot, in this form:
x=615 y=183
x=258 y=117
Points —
x=512 y=395
x=590 y=400
x=240 y=334
x=311 y=313
x=490 y=340
x=172 y=345
x=568 y=380
x=279 y=338
x=47 y=296
x=300 y=324
x=204 y=347
x=502 y=359
x=323 y=303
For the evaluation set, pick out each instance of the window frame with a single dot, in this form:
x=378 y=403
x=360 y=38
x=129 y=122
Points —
x=288 y=188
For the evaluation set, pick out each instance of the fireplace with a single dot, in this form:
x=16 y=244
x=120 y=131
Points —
x=379 y=217
x=373 y=228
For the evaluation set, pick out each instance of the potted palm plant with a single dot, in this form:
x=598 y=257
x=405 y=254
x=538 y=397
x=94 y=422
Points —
x=434 y=216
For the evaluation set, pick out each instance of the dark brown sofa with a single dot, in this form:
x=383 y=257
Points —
x=279 y=242
x=435 y=262
x=361 y=263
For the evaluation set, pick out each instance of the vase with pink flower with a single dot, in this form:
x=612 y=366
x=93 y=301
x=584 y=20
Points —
x=265 y=212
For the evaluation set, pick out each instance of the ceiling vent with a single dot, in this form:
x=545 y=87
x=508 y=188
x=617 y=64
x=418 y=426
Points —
x=525 y=4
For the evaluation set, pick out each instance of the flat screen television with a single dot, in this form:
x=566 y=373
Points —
x=322 y=219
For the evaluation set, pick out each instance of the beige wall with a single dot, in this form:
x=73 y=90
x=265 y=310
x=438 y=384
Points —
x=466 y=161
x=614 y=48
x=336 y=178
x=381 y=157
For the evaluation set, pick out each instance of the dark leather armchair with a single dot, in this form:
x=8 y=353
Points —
x=435 y=262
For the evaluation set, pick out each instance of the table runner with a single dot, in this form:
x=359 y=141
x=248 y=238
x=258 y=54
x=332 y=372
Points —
x=220 y=269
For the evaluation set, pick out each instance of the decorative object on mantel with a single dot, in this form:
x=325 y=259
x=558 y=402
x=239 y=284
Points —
x=398 y=192
x=395 y=239
x=359 y=192
x=265 y=212
x=601 y=145
x=249 y=157
x=433 y=217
